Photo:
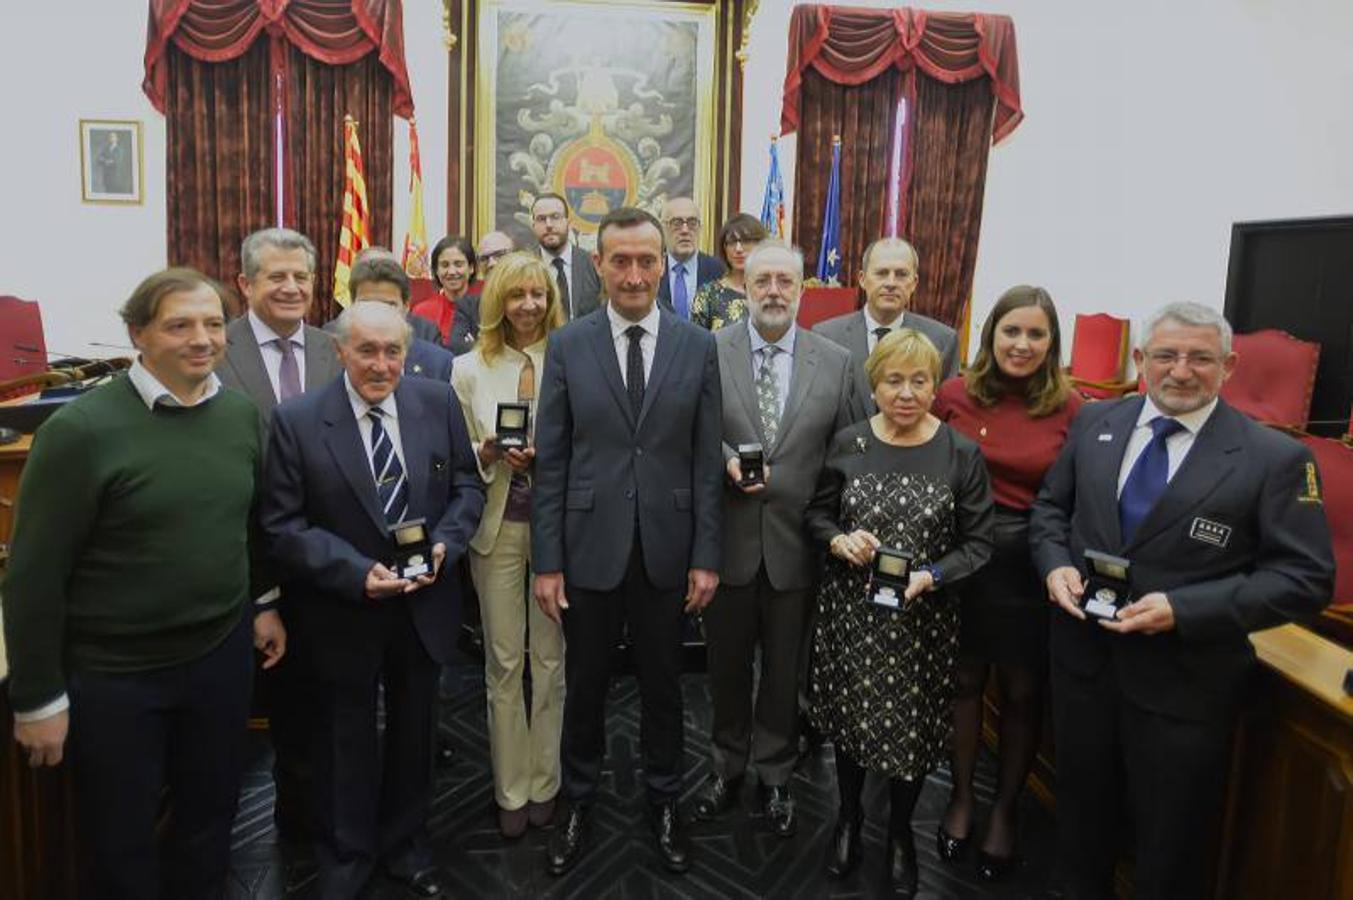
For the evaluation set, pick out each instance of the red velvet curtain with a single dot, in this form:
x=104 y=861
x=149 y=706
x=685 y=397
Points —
x=219 y=128
x=319 y=96
x=864 y=115
x=960 y=74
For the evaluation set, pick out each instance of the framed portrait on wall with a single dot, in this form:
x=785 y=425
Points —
x=608 y=104
x=111 y=165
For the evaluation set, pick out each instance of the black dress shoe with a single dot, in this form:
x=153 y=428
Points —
x=778 y=805
x=444 y=754
x=717 y=799
x=844 y=851
x=672 y=845
x=903 y=874
x=427 y=883
x=993 y=868
x=568 y=841
x=950 y=848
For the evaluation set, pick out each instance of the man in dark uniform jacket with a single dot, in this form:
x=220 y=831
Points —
x=1221 y=521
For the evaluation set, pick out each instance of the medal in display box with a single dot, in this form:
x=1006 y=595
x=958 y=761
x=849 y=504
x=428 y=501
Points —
x=413 y=550
x=1106 y=585
x=890 y=577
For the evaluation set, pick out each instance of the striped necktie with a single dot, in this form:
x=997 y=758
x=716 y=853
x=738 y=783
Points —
x=392 y=488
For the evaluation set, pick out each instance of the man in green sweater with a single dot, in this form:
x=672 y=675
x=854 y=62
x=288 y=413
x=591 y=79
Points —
x=128 y=604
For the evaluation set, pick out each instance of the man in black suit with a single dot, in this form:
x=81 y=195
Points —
x=888 y=277
x=688 y=269
x=272 y=355
x=380 y=279
x=1222 y=524
x=345 y=465
x=579 y=287
x=626 y=517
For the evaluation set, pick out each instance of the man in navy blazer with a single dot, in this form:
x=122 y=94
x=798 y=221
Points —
x=688 y=269
x=626 y=516
x=345 y=464
x=1222 y=524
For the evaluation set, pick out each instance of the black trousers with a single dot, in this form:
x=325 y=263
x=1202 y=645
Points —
x=740 y=618
x=289 y=701
x=131 y=735
x=372 y=806
x=592 y=626
x=1114 y=756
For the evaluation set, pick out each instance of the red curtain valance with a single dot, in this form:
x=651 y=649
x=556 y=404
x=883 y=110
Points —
x=337 y=32
x=849 y=45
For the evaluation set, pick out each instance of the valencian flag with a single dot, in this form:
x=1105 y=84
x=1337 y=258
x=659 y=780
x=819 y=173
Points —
x=829 y=257
x=356 y=233
x=415 y=259
x=773 y=207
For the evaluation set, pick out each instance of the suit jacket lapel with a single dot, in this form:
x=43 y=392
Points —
x=669 y=336
x=344 y=440
x=244 y=357
x=1110 y=442
x=857 y=342
x=1208 y=464
x=412 y=438
x=319 y=358
x=604 y=347
x=801 y=373
x=740 y=353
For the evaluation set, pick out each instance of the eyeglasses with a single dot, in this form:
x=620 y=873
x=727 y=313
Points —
x=549 y=218
x=492 y=255
x=678 y=223
x=735 y=241
x=1168 y=358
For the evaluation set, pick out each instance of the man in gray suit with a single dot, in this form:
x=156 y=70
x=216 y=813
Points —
x=888 y=278
x=579 y=286
x=625 y=524
x=789 y=391
x=272 y=355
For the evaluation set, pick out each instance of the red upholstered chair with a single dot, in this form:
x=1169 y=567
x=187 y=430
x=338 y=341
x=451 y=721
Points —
x=23 y=348
x=1099 y=351
x=1334 y=460
x=1274 y=377
x=820 y=303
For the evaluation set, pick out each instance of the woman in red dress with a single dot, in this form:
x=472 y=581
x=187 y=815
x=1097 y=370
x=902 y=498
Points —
x=453 y=265
x=1017 y=404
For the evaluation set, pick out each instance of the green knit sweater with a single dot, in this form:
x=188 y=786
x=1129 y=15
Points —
x=131 y=539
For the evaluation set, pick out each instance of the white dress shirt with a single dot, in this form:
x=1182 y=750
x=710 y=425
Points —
x=648 y=343
x=870 y=325
x=565 y=254
x=781 y=365
x=1177 y=445
x=389 y=421
x=272 y=354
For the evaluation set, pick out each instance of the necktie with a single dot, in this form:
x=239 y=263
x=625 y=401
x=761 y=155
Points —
x=768 y=395
x=392 y=489
x=634 y=370
x=880 y=333
x=681 y=303
x=562 y=280
x=289 y=375
x=1147 y=480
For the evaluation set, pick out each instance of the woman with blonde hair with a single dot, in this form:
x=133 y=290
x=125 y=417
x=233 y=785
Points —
x=519 y=308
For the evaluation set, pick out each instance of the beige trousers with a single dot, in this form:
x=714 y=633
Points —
x=525 y=756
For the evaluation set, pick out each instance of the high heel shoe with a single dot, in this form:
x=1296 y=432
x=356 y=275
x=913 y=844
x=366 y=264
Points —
x=844 y=851
x=950 y=848
x=903 y=873
x=992 y=868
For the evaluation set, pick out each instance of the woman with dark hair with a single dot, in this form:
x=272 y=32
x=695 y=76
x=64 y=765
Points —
x=453 y=265
x=723 y=301
x=899 y=485
x=1016 y=404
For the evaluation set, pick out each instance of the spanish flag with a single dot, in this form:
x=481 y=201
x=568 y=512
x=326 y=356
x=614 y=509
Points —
x=415 y=260
x=356 y=233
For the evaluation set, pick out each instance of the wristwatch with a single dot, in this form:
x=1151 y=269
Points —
x=936 y=574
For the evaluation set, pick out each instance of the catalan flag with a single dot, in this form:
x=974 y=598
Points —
x=773 y=206
x=415 y=259
x=356 y=233
x=829 y=256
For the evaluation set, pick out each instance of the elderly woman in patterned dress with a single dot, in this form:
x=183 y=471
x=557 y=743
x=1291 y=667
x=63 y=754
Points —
x=883 y=678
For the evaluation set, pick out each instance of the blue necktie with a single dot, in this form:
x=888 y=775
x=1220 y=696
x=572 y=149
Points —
x=1147 y=480
x=681 y=303
x=392 y=489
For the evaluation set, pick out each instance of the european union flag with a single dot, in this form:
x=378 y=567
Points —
x=773 y=207
x=829 y=256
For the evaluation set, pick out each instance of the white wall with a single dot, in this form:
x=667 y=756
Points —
x=1149 y=129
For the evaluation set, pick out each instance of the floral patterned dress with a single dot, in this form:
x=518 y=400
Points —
x=882 y=681
x=716 y=305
